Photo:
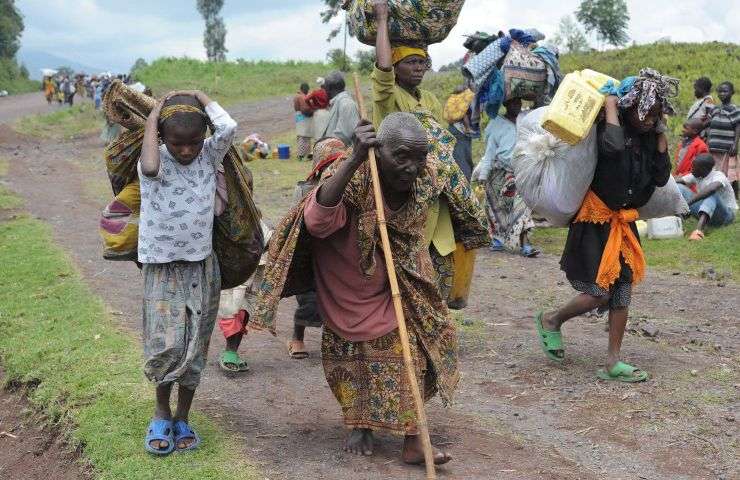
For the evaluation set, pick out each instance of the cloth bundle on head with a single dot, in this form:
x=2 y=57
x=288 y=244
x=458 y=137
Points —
x=484 y=70
x=648 y=89
x=401 y=52
x=325 y=152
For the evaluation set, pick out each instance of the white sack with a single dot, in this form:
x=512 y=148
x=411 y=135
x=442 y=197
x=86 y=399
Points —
x=551 y=176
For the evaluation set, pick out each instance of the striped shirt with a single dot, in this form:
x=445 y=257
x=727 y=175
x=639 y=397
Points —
x=721 y=131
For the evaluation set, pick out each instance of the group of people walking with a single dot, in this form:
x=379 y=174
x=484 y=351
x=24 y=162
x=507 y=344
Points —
x=327 y=247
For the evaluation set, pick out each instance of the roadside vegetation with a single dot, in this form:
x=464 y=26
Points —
x=81 y=372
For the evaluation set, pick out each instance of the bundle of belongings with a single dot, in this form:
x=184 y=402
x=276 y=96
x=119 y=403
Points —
x=421 y=22
x=553 y=176
x=511 y=66
x=253 y=148
x=237 y=236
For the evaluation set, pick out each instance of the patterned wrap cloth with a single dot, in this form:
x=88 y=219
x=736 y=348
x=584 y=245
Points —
x=180 y=308
x=289 y=270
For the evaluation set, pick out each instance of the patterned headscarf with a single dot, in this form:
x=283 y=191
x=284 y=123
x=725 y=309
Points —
x=325 y=152
x=648 y=89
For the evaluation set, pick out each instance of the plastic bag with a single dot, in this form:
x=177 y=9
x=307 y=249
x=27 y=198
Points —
x=421 y=22
x=665 y=201
x=551 y=176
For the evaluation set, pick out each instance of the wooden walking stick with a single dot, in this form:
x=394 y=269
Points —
x=396 y=295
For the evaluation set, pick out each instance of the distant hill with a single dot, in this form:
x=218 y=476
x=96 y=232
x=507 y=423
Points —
x=35 y=60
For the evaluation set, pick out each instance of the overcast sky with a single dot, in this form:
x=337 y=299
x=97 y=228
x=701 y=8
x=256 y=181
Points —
x=113 y=33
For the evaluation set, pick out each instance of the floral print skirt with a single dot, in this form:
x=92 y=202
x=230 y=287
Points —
x=369 y=381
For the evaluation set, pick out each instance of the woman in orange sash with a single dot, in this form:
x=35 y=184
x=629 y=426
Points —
x=603 y=257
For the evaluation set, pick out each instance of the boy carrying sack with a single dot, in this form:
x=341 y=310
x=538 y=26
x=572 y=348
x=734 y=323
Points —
x=182 y=281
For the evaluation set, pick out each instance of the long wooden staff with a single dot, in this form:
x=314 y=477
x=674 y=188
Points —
x=396 y=295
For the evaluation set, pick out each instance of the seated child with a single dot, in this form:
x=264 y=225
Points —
x=182 y=281
x=714 y=203
x=691 y=145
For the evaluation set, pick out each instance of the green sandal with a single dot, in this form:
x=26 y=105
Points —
x=232 y=363
x=550 y=342
x=623 y=372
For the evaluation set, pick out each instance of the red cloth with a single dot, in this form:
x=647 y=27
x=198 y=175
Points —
x=683 y=165
x=318 y=99
x=230 y=326
x=323 y=164
x=355 y=307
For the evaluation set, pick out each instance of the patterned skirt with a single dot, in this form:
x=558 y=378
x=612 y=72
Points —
x=508 y=215
x=369 y=381
x=444 y=269
x=180 y=307
x=303 y=146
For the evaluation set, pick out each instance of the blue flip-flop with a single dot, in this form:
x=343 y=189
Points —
x=529 y=251
x=160 y=429
x=183 y=431
x=497 y=245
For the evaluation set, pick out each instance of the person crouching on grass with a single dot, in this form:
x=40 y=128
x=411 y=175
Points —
x=603 y=257
x=182 y=281
x=714 y=202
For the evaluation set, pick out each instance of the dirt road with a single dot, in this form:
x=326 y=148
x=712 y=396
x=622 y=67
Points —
x=14 y=107
x=516 y=416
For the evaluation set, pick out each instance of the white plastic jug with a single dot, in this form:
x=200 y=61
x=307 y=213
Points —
x=665 y=227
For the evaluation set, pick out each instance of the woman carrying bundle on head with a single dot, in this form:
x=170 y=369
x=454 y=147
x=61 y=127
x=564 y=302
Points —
x=396 y=78
x=603 y=257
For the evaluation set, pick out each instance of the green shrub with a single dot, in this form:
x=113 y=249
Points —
x=13 y=80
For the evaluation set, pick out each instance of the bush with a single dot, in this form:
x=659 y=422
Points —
x=13 y=80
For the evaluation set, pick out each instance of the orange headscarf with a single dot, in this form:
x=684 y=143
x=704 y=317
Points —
x=622 y=240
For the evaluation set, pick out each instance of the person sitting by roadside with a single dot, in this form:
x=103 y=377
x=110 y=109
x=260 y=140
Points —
x=714 y=203
x=691 y=145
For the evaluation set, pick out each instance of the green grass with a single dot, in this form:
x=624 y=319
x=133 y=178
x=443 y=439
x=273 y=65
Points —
x=718 y=250
x=275 y=180
x=7 y=199
x=65 y=123
x=12 y=80
x=230 y=82
x=55 y=333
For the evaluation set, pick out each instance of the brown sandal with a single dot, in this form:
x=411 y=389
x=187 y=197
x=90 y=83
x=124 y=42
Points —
x=297 y=350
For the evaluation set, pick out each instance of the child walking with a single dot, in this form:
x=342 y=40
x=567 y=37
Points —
x=182 y=281
x=603 y=257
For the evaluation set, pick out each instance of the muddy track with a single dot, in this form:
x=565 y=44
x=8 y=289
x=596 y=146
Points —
x=516 y=416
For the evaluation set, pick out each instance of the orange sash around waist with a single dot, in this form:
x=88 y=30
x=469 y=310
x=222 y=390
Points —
x=621 y=240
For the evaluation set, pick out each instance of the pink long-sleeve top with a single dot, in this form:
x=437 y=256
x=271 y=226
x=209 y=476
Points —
x=354 y=306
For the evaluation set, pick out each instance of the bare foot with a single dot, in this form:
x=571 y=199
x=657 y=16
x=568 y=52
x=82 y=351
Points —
x=360 y=442
x=413 y=452
x=550 y=325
